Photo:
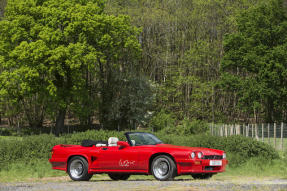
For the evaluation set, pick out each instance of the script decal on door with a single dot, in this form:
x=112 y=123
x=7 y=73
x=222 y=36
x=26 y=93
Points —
x=126 y=163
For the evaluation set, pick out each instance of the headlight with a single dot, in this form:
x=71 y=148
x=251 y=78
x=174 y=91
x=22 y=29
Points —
x=199 y=155
x=192 y=155
x=224 y=156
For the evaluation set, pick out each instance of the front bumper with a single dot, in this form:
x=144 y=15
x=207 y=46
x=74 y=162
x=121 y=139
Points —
x=199 y=166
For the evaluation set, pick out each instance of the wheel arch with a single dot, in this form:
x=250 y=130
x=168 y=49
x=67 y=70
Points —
x=161 y=153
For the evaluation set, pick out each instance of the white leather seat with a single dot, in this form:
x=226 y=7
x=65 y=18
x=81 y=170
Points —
x=113 y=141
x=133 y=142
x=100 y=145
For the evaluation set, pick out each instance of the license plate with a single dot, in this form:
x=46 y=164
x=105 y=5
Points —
x=215 y=163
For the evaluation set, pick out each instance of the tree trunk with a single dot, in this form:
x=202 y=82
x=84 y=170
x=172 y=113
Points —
x=2 y=7
x=60 y=122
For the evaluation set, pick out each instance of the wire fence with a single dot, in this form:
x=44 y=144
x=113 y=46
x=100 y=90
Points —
x=274 y=134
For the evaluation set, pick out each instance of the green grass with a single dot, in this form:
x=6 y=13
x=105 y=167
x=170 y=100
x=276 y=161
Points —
x=257 y=167
x=39 y=170
x=21 y=170
x=11 y=138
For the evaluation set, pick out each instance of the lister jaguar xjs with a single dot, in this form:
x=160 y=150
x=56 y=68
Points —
x=141 y=153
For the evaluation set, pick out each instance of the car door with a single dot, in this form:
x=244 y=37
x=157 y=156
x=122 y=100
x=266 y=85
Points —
x=116 y=158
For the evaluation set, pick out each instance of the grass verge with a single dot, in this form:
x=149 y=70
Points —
x=23 y=171
x=39 y=170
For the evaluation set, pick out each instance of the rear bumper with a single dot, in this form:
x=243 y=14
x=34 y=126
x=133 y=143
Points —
x=58 y=164
x=199 y=166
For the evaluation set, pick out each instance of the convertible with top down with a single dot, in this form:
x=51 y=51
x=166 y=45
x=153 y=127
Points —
x=141 y=153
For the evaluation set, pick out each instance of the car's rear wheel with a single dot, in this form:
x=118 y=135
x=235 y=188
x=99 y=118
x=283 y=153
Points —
x=119 y=176
x=78 y=169
x=163 y=168
x=202 y=176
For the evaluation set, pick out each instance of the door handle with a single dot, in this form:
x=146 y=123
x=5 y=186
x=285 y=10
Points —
x=104 y=148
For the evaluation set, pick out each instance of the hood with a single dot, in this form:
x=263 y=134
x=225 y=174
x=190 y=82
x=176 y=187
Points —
x=205 y=151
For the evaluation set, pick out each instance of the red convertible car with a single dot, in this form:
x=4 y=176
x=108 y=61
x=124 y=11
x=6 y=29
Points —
x=142 y=153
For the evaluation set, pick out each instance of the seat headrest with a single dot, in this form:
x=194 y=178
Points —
x=113 y=141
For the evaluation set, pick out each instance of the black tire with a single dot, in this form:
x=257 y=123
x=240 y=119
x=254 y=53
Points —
x=163 y=168
x=78 y=169
x=201 y=176
x=119 y=176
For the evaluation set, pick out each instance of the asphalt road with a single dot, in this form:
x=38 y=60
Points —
x=142 y=184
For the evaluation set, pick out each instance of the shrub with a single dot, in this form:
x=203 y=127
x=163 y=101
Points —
x=39 y=146
x=162 y=120
x=239 y=149
x=5 y=132
x=187 y=127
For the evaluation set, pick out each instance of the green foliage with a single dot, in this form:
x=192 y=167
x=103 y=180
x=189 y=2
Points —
x=254 y=64
x=162 y=120
x=187 y=127
x=239 y=149
x=57 y=55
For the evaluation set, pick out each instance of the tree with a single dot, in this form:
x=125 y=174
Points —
x=255 y=61
x=2 y=7
x=48 y=46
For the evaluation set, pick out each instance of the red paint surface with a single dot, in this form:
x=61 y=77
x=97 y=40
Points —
x=134 y=159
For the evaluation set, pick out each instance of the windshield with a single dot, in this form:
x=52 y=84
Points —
x=136 y=139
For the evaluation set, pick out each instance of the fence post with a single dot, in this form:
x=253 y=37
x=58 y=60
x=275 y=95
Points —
x=282 y=125
x=238 y=130
x=226 y=131
x=268 y=131
x=247 y=130
x=252 y=126
x=275 y=135
x=262 y=126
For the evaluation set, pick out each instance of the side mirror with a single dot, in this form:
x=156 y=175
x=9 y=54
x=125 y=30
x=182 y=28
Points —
x=123 y=144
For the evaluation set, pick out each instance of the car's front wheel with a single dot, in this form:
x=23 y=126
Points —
x=163 y=168
x=78 y=169
x=201 y=176
x=119 y=176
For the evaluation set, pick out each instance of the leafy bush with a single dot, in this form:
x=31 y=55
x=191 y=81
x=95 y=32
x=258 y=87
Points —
x=162 y=120
x=239 y=149
x=187 y=127
x=39 y=146
x=5 y=132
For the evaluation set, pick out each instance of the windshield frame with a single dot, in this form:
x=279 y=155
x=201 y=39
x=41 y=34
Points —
x=127 y=134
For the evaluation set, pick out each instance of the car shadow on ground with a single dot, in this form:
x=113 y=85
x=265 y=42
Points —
x=143 y=180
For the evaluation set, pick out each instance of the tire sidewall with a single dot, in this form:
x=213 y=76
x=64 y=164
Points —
x=172 y=171
x=85 y=176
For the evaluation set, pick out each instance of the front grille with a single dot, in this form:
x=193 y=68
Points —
x=212 y=157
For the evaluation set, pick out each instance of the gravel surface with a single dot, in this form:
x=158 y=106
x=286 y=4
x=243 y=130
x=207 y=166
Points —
x=180 y=184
